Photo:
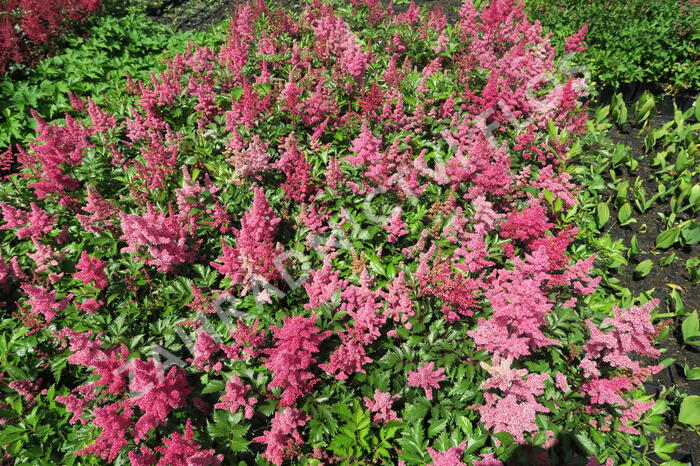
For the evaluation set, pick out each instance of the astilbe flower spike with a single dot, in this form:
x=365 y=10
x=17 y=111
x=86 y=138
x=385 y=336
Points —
x=44 y=302
x=235 y=398
x=381 y=407
x=292 y=356
x=451 y=457
x=396 y=226
x=157 y=394
x=183 y=450
x=252 y=261
x=284 y=437
x=91 y=269
x=162 y=237
x=514 y=409
x=114 y=421
x=427 y=378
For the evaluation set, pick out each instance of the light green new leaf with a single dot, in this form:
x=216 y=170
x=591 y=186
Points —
x=690 y=411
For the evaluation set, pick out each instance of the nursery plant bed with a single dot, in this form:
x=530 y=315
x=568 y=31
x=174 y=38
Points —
x=662 y=279
x=451 y=375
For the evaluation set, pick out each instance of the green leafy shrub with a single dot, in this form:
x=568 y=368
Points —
x=630 y=41
x=92 y=66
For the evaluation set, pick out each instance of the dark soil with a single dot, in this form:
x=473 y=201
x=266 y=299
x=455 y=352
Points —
x=201 y=14
x=191 y=14
x=647 y=227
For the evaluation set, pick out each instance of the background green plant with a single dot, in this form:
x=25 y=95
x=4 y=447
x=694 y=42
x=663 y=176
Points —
x=630 y=41
x=92 y=66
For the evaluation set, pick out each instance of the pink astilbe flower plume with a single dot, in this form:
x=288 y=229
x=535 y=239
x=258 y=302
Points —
x=157 y=394
x=292 y=356
x=91 y=269
x=515 y=407
x=399 y=305
x=297 y=170
x=365 y=148
x=183 y=450
x=396 y=226
x=321 y=284
x=427 y=378
x=101 y=212
x=631 y=334
x=253 y=258
x=250 y=160
x=347 y=359
x=62 y=148
x=32 y=224
x=577 y=42
x=381 y=406
x=451 y=457
x=283 y=438
x=162 y=238
x=115 y=421
x=44 y=302
x=235 y=398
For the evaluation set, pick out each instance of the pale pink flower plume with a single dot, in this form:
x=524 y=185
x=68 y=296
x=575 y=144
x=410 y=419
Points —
x=381 y=406
x=396 y=226
x=451 y=457
x=426 y=378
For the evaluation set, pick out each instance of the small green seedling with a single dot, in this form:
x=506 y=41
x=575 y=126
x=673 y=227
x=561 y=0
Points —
x=643 y=268
x=691 y=329
x=691 y=373
x=692 y=265
x=690 y=410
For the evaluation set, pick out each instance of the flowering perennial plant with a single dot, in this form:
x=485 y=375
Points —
x=27 y=27
x=312 y=241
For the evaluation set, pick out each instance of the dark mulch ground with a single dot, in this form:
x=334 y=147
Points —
x=200 y=14
x=647 y=227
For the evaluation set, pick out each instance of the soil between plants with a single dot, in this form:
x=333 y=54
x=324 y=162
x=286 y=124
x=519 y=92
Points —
x=647 y=227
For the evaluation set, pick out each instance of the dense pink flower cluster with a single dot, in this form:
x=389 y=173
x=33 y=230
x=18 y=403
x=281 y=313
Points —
x=292 y=357
x=178 y=450
x=514 y=408
x=283 y=438
x=451 y=457
x=28 y=26
x=162 y=238
x=381 y=407
x=328 y=130
x=427 y=378
x=253 y=261
x=236 y=397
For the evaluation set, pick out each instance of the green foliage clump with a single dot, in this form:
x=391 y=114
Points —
x=95 y=65
x=630 y=41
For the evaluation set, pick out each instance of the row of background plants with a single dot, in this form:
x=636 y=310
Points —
x=30 y=29
x=638 y=41
x=647 y=41
x=120 y=44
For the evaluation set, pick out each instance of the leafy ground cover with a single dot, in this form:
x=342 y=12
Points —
x=309 y=240
x=631 y=41
x=96 y=66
